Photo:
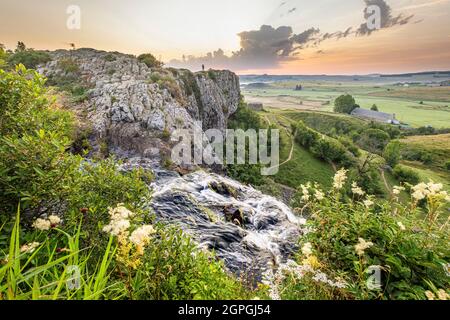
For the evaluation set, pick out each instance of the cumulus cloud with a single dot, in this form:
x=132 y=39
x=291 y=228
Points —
x=268 y=47
x=263 y=48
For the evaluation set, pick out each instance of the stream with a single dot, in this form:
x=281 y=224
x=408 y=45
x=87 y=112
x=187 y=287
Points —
x=248 y=230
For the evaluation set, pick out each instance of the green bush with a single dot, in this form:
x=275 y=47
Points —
x=373 y=140
x=405 y=174
x=150 y=61
x=351 y=238
x=323 y=147
x=29 y=58
x=447 y=165
x=392 y=153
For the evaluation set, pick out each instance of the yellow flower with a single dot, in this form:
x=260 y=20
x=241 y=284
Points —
x=311 y=261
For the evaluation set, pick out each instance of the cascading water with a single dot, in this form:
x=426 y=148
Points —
x=248 y=230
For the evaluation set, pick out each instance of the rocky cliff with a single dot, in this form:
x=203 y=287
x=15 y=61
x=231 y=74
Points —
x=133 y=107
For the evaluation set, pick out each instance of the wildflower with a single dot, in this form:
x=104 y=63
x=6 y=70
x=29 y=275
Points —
x=119 y=223
x=311 y=261
x=397 y=190
x=442 y=295
x=30 y=247
x=362 y=245
x=357 y=190
x=42 y=224
x=401 y=225
x=305 y=192
x=339 y=179
x=54 y=220
x=307 y=249
x=117 y=227
x=141 y=237
x=430 y=295
x=319 y=195
x=368 y=203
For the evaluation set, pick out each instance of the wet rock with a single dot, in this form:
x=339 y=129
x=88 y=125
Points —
x=223 y=189
x=234 y=215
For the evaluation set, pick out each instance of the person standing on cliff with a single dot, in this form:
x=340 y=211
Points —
x=203 y=67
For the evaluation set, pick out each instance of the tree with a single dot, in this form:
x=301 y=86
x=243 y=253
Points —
x=344 y=104
x=392 y=153
x=150 y=60
x=374 y=107
x=21 y=46
x=373 y=140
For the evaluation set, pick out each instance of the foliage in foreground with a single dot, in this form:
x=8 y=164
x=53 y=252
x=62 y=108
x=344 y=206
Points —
x=65 y=242
x=356 y=248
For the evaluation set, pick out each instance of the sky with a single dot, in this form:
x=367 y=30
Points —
x=248 y=37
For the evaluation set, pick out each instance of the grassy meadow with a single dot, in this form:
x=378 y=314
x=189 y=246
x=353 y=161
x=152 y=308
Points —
x=412 y=105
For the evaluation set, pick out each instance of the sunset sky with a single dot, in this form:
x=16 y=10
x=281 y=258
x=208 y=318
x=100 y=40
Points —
x=415 y=34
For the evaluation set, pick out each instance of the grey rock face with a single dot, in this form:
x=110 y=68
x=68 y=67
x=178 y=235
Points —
x=131 y=106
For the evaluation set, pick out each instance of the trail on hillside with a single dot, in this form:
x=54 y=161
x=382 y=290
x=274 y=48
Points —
x=388 y=188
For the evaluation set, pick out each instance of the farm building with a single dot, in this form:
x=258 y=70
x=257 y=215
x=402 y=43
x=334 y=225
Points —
x=375 y=116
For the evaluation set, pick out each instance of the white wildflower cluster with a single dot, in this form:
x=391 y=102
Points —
x=397 y=190
x=357 y=190
x=307 y=249
x=322 y=277
x=305 y=192
x=362 y=245
x=401 y=226
x=431 y=189
x=141 y=236
x=368 y=203
x=440 y=295
x=339 y=179
x=120 y=220
x=120 y=224
x=274 y=280
x=29 y=247
x=46 y=224
x=319 y=195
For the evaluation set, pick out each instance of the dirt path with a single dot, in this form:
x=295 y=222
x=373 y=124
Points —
x=388 y=188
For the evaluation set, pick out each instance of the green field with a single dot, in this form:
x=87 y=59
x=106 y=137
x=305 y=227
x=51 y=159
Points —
x=405 y=103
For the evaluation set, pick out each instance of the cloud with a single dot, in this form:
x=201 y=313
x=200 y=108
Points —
x=263 y=48
x=387 y=20
x=268 y=47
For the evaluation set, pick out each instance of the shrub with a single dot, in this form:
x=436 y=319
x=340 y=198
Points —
x=373 y=140
x=405 y=174
x=352 y=238
x=68 y=66
x=344 y=104
x=150 y=61
x=29 y=58
x=447 y=165
x=110 y=57
x=392 y=153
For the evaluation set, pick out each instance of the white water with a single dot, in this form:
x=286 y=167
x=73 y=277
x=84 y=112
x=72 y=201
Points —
x=269 y=232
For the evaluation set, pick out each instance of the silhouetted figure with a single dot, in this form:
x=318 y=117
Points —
x=203 y=67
